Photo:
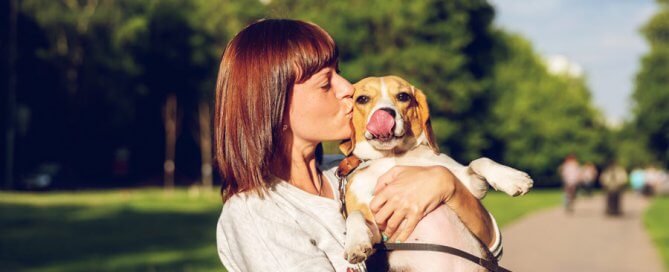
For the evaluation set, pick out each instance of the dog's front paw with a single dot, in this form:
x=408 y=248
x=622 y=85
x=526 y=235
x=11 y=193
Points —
x=511 y=181
x=356 y=253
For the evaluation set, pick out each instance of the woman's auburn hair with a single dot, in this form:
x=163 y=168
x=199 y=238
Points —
x=257 y=72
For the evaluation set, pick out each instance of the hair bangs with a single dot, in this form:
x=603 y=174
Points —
x=314 y=50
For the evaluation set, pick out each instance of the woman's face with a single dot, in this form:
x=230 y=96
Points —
x=321 y=107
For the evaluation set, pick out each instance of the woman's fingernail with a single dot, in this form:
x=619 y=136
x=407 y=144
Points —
x=385 y=237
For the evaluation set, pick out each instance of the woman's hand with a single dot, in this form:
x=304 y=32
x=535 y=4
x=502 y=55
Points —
x=406 y=194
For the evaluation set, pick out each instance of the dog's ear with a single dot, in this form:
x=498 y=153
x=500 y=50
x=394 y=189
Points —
x=346 y=146
x=423 y=113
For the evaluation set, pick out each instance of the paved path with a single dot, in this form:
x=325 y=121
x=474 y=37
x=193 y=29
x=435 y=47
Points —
x=586 y=240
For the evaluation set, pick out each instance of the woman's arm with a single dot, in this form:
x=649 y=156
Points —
x=411 y=192
x=471 y=211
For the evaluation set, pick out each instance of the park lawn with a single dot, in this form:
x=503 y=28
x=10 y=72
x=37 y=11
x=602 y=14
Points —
x=507 y=209
x=656 y=220
x=141 y=229
x=119 y=230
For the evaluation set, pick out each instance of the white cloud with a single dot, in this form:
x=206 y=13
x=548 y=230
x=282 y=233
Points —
x=561 y=65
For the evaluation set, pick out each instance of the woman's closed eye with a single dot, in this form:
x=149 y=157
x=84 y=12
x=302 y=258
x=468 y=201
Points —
x=327 y=86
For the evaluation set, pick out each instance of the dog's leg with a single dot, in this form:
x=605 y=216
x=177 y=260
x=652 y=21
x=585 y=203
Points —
x=474 y=183
x=359 y=238
x=502 y=178
x=361 y=229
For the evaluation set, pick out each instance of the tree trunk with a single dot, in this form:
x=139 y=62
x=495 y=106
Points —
x=170 y=119
x=11 y=97
x=205 y=145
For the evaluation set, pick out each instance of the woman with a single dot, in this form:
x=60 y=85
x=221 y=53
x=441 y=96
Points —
x=278 y=96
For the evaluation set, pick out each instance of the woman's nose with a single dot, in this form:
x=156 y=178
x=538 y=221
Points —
x=345 y=88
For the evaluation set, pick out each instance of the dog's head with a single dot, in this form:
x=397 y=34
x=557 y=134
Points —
x=390 y=116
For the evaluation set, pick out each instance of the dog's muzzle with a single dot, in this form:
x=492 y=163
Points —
x=381 y=125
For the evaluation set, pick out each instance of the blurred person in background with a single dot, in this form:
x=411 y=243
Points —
x=653 y=178
x=570 y=172
x=663 y=186
x=638 y=180
x=588 y=176
x=613 y=180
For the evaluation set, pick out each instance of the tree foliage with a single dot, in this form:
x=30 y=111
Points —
x=651 y=95
x=110 y=65
x=540 y=117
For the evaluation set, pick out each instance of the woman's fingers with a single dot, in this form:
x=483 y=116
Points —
x=406 y=228
x=383 y=214
x=394 y=222
x=393 y=238
x=377 y=202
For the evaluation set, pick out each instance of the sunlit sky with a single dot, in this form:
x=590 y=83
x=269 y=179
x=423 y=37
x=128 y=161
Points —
x=599 y=35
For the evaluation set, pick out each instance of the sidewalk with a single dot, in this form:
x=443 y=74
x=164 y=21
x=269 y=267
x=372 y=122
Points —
x=585 y=240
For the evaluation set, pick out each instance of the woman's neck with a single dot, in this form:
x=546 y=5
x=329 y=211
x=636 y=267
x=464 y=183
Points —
x=298 y=167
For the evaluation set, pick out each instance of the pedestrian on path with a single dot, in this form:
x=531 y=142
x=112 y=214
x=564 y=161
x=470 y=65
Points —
x=588 y=176
x=570 y=172
x=653 y=178
x=637 y=180
x=613 y=179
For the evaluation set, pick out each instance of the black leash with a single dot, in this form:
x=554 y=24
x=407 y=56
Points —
x=490 y=265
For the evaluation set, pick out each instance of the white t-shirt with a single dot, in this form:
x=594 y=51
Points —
x=288 y=230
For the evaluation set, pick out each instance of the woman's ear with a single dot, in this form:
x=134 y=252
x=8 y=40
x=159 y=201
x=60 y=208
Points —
x=423 y=113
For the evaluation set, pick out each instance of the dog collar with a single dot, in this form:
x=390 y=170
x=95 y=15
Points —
x=347 y=167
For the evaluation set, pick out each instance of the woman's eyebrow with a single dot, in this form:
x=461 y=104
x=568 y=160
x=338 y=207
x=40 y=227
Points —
x=324 y=75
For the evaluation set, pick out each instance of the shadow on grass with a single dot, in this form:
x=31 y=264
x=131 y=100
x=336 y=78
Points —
x=114 y=238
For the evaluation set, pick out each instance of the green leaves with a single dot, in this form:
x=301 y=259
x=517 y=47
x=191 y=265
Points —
x=541 y=117
x=650 y=125
x=489 y=92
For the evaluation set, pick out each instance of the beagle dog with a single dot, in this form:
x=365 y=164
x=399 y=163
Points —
x=391 y=125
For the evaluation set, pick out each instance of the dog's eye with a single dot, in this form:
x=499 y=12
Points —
x=363 y=99
x=403 y=97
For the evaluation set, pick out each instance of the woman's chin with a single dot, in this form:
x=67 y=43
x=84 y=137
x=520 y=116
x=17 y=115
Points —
x=338 y=136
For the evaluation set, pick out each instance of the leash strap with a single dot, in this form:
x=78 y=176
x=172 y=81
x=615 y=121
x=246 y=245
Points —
x=490 y=265
x=342 y=196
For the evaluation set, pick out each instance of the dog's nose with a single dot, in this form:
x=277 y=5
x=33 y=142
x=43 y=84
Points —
x=389 y=111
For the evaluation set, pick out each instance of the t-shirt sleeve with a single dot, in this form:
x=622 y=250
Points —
x=496 y=249
x=249 y=240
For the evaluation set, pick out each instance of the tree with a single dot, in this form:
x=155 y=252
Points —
x=107 y=68
x=538 y=117
x=114 y=64
x=651 y=94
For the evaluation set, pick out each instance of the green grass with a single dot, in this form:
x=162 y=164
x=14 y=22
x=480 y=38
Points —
x=120 y=230
x=656 y=220
x=141 y=229
x=507 y=209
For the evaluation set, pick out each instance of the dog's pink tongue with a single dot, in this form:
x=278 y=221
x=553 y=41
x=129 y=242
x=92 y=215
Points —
x=381 y=124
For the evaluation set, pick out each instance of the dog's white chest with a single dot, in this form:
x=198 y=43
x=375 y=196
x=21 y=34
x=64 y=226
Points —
x=366 y=179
